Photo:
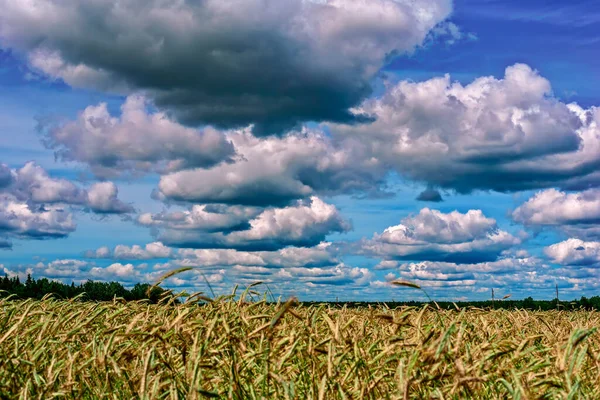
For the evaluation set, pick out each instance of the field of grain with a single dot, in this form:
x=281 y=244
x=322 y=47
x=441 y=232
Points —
x=250 y=350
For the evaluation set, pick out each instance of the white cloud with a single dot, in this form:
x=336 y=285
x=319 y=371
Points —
x=136 y=142
x=277 y=171
x=34 y=205
x=304 y=224
x=435 y=236
x=574 y=252
x=24 y=221
x=204 y=218
x=103 y=199
x=577 y=213
x=32 y=182
x=135 y=252
x=504 y=134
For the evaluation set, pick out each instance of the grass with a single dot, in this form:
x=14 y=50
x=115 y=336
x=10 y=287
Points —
x=231 y=348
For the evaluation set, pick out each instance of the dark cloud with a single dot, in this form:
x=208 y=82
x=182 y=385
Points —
x=270 y=63
x=430 y=195
x=6 y=178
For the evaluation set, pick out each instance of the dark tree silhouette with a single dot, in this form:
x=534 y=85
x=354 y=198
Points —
x=90 y=290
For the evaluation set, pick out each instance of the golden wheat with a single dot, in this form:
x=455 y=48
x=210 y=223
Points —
x=251 y=350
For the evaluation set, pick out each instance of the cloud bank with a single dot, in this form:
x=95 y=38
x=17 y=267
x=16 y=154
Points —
x=284 y=63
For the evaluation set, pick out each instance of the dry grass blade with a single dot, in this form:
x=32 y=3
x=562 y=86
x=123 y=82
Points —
x=399 y=282
x=286 y=306
x=508 y=296
x=166 y=276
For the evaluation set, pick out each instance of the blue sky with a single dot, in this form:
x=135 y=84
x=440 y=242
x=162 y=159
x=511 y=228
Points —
x=292 y=149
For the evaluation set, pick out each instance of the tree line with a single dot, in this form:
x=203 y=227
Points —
x=107 y=291
x=90 y=290
x=592 y=303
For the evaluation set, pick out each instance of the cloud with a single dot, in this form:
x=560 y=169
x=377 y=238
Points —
x=319 y=256
x=448 y=272
x=6 y=177
x=506 y=134
x=34 y=205
x=121 y=252
x=58 y=269
x=277 y=171
x=431 y=195
x=103 y=199
x=449 y=33
x=33 y=183
x=136 y=142
x=80 y=271
x=574 y=252
x=305 y=224
x=435 y=236
x=284 y=63
x=20 y=220
x=203 y=218
x=117 y=272
x=577 y=214
x=519 y=276
x=339 y=275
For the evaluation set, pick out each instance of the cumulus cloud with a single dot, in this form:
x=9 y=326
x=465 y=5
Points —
x=575 y=252
x=33 y=183
x=73 y=270
x=434 y=236
x=6 y=177
x=338 y=275
x=58 y=269
x=203 y=218
x=284 y=63
x=305 y=224
x=19 y=220
x=102 y=198
x=34 y=205
x=135 y=252
x=277 y=171
x=319 y=256
x=577 y=214
x=136 y=142
x=519 y=276
x=505 y=134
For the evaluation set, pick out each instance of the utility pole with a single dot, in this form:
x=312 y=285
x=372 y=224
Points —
x=557 y=301
x=493 y=303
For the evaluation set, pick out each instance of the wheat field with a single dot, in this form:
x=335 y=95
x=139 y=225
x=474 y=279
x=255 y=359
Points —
x=232 y=348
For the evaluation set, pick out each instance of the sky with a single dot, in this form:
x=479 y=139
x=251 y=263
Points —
x=323 y=147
